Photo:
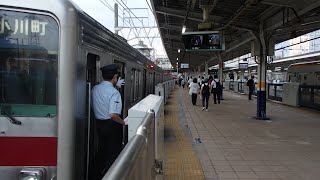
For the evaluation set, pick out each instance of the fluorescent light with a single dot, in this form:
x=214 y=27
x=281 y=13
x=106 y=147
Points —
x=183 y=29
x=178 y=50
x=177 y=59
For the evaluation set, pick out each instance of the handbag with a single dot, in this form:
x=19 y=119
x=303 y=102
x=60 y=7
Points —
x=190 y=91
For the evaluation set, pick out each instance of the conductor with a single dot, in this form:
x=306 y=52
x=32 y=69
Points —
x=107 y=106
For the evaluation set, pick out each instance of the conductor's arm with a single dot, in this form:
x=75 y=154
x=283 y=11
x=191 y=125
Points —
x=116 y=118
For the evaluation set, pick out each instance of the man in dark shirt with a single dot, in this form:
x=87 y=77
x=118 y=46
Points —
x=250 y=83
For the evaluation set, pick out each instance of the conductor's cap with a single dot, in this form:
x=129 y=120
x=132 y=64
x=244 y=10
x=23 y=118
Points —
x=109 y=68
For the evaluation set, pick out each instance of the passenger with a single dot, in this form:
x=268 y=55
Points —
x=210 y=80
x=250 y=83
x=194 y=90
x=205 y=93
x=216 y=89
x=107 y=106
x=190 y=80
x=183 y=83
x=180 y=80
x=199 y=81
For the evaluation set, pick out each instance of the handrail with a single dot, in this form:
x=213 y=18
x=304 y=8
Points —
x=123 y=167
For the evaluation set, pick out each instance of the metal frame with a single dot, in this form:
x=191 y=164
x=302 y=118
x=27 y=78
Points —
x=275 y=96
x=240 y=87
x=231 y=85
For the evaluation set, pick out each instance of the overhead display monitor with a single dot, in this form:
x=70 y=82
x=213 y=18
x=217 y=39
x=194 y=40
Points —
x=243 y=65
x=184 y=66
x=203 y=41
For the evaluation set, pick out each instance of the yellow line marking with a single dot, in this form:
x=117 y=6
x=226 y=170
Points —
x=181 y=163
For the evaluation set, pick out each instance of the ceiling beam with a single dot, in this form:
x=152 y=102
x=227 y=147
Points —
x=276 y=21
x=172 y=37
x=240 y=11
x=171 y=27
x=213 y=5
x=239 y=42
x=275 y=4
x=271 y=11
x=181 y=14
x=308 y=23
x=174 y=42
x=188 y=9
x=193 y=3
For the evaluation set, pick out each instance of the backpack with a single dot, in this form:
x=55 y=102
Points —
x=218 y=87
x=205 y=89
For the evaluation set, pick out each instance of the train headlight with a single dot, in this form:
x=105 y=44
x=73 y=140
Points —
x=32 y=174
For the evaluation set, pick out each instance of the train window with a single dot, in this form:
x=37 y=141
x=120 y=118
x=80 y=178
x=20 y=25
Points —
x=28 y=64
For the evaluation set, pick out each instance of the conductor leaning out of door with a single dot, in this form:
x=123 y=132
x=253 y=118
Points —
x=107 y=104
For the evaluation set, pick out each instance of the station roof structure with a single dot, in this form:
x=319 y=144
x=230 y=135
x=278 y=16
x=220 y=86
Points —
x=240 y=21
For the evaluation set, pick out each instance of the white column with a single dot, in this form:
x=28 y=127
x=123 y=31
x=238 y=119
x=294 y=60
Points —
x=206 y=70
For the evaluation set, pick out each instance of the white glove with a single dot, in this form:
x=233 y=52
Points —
x=120 y=82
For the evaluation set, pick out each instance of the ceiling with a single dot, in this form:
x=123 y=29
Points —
x=240 y=20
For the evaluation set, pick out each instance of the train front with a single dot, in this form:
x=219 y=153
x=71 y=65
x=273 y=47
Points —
x=28 y=90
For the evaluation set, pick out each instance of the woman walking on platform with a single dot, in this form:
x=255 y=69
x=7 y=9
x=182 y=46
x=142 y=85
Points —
x=194 y=90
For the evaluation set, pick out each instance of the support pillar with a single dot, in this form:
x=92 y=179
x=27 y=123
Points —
x=220 y=72
x=263 y=46
x=261 y=88
x=206 y=70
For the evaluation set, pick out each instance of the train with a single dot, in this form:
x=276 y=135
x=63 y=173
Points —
x=305 y=73
x=51 y=52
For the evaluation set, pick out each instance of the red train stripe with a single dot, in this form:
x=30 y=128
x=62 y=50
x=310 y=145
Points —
x=28 y=151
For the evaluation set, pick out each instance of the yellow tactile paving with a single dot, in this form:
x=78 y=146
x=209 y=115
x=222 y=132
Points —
x=181 y=162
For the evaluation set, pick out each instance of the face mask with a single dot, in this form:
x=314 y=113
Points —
x=115 y=80
x=206 y=83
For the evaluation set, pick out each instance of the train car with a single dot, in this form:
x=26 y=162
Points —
x=305 y=73
x=51 y=53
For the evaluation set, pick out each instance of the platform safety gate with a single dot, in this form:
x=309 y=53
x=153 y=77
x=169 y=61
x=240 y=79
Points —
x=309 y=96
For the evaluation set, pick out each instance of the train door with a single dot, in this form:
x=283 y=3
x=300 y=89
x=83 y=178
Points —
x=154 y=83
x=122 y=71
x=144 y=83
x=92 y=78
x=124 y=113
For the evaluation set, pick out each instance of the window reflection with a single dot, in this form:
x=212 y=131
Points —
x=28 y=64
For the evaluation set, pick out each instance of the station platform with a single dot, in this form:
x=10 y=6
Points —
x=227 y=142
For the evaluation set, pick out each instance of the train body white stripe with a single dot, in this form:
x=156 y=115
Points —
x=31 y=127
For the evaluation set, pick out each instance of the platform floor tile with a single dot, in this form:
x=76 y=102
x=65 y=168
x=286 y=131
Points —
x=181 y=162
